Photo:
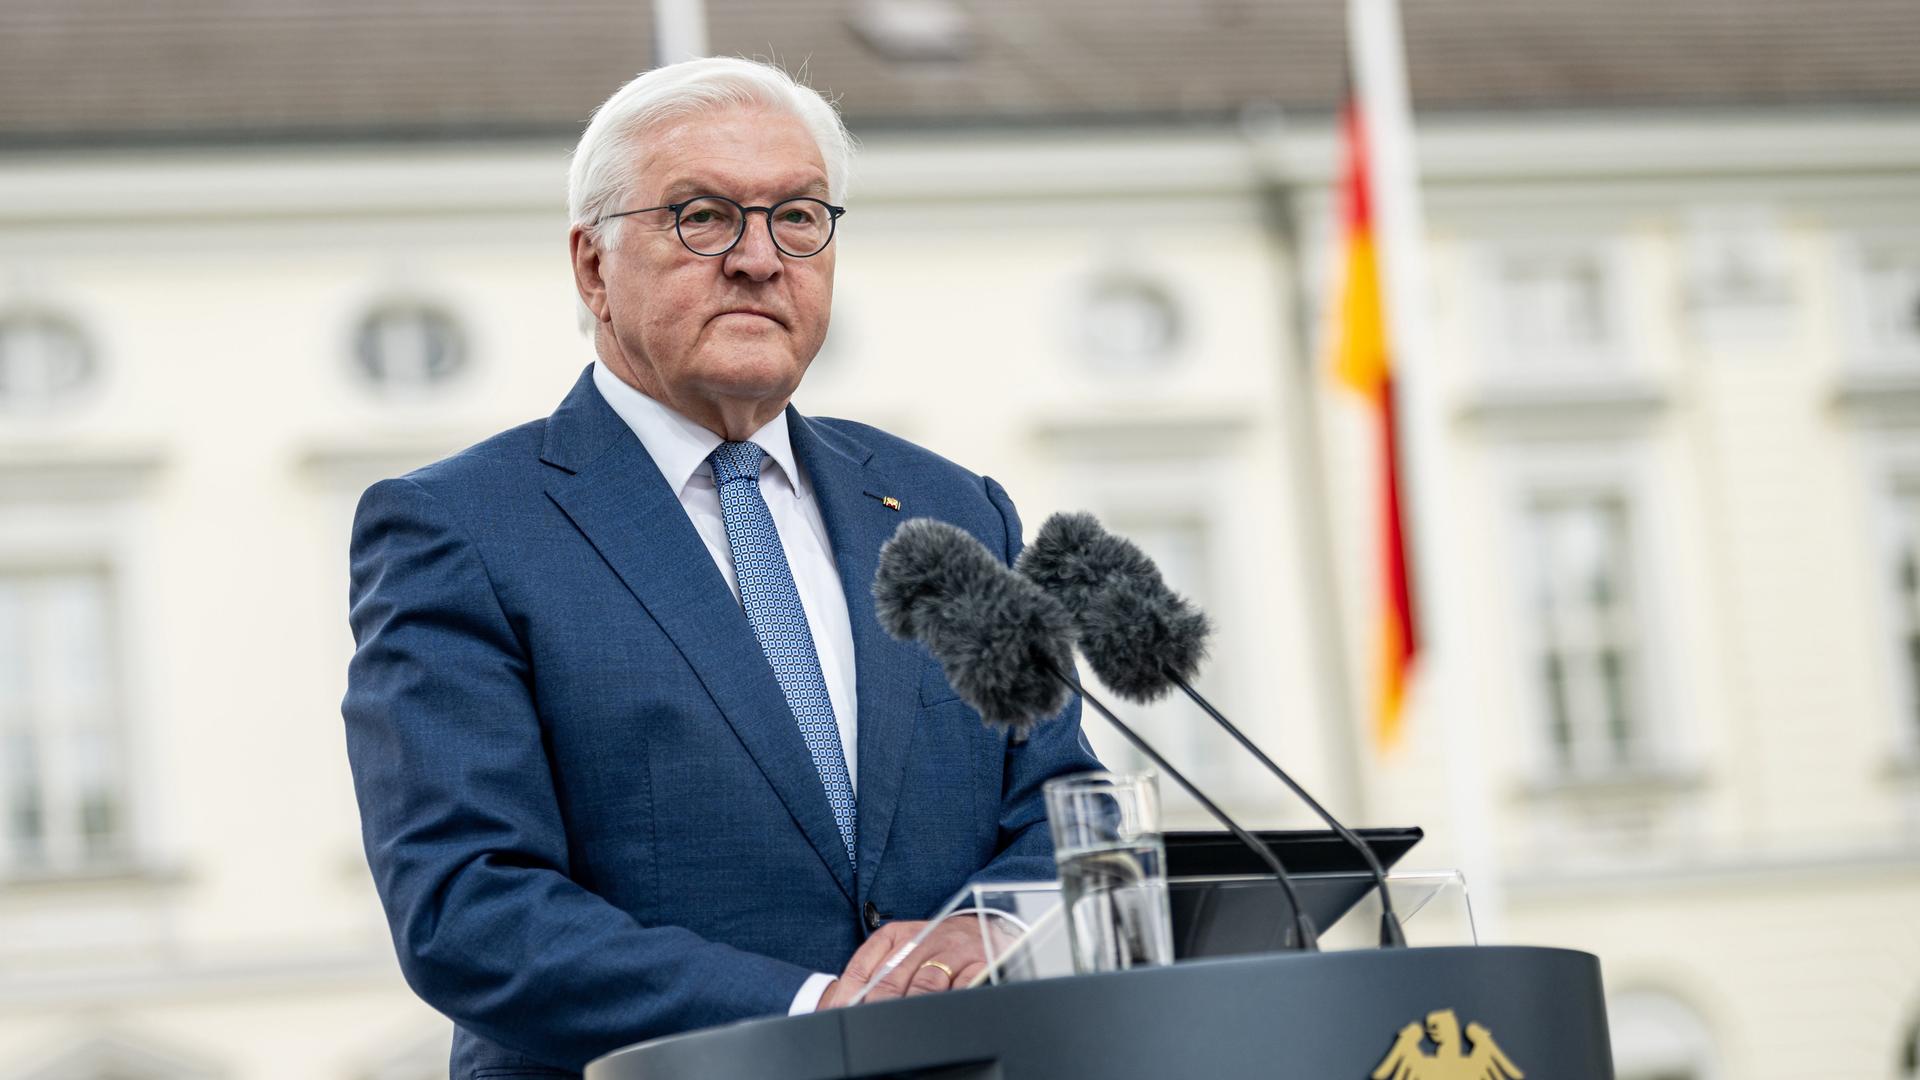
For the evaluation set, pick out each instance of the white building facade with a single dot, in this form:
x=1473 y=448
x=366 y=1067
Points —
x=1680 y=358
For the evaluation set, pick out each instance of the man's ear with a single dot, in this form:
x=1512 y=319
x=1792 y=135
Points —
x=587 y=279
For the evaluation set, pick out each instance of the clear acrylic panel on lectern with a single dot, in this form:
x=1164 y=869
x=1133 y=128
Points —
x=1023 y=932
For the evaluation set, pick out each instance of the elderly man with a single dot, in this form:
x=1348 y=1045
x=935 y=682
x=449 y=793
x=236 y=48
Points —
x=632 y=754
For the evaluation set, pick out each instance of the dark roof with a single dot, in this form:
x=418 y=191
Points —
x=119 y=70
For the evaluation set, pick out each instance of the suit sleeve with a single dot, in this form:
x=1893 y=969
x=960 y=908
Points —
x=1055 y=747
x=463 y=829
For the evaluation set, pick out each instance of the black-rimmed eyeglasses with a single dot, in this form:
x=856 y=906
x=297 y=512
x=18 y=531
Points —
x=712 y=224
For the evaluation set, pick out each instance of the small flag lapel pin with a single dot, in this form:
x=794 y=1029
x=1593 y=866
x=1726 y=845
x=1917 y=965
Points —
x=889 y=502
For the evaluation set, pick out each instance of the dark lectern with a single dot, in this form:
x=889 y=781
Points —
x=1320 y=1016
x=1451 y=1013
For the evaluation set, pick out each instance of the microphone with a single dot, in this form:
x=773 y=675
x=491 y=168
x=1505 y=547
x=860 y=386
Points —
x=1143 y=639
x=995 y=633
x=1005 y=646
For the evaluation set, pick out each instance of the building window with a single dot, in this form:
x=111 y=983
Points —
x=1658 y=1037
x=408 y=347
x=44 y=361
x=1587 y=652
x=1889 y=290
x=1129 y=324
x=1905 y=581
x=63 y=775
x=1737 y=257
x=1180 y=545
x=1556 y=310
x=1138 y=477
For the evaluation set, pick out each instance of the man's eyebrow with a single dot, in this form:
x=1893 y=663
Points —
x=681 y=189
x=689 y=188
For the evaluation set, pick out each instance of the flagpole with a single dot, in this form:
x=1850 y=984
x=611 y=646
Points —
x=1437 y=698
x=679 y=30
x=1301 y=421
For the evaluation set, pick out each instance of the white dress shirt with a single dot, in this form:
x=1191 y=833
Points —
x=680 y=448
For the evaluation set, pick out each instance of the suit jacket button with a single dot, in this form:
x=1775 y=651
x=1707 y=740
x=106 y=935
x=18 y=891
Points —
x=873 y=916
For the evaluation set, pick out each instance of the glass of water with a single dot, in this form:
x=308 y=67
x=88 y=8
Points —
x=1113 y=869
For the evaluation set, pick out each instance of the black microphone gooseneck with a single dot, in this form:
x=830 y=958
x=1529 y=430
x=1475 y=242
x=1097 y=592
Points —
x=1391 y=935
x=1302 y=921
x=1005 y=646
x=1141 y=638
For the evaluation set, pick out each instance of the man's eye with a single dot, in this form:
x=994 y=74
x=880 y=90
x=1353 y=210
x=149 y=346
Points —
x=797 y=217
x=700 y=217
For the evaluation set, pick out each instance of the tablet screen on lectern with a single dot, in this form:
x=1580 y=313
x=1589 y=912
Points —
x=1224 y=900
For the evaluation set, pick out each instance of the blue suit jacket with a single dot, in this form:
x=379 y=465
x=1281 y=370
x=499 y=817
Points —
x=589 y=812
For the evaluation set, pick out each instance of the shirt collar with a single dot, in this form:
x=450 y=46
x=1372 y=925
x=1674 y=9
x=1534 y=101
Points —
x=677 y=445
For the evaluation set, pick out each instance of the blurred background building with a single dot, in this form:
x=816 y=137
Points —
x=255 y=254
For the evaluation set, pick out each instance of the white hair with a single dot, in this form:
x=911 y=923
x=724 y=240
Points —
x=601 y=173
x=602 y=169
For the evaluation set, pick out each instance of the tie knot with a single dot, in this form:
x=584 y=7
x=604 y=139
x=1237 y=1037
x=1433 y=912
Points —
x=736 y=461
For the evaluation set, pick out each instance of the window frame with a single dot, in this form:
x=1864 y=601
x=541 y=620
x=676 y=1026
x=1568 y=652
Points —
x=1172 y=477
x=382 y=388
x=64 y=833
x=94 y=359
x=1105 y=362
x=95 y=524
x=1617 y=360
x=1892 y=459
x=1861 y=352
x=1623 y=469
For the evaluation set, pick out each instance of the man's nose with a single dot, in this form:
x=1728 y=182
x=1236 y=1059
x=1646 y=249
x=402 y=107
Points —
x=754 y=257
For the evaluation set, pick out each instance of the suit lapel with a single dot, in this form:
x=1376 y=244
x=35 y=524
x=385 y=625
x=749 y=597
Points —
x=614 y=494
x=886 y=672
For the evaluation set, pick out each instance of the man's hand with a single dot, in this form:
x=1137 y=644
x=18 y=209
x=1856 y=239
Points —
x=952 y=956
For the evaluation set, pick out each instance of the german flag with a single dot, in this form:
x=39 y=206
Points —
x=1363 y=362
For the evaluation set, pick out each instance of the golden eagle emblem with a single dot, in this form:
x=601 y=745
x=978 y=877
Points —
x=1450 y=1060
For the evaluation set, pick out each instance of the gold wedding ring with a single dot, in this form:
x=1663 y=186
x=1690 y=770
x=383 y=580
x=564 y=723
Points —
x=941 y=966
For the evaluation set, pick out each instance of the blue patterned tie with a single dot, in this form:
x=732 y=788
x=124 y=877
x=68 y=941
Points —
x=773 y=607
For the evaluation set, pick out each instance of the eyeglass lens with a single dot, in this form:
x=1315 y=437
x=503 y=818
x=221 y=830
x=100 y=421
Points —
x=711 y=225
